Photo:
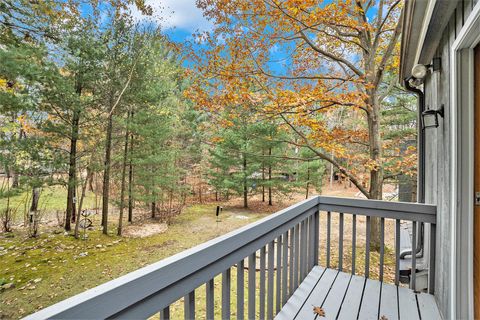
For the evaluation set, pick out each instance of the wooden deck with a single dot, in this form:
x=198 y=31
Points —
x=343 y=296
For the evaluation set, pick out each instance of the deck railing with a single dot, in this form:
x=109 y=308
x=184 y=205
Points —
x=276 y=253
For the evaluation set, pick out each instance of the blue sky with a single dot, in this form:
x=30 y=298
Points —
x=179 y=18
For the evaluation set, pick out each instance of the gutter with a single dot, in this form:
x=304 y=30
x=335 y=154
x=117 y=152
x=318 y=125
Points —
x=421 y=163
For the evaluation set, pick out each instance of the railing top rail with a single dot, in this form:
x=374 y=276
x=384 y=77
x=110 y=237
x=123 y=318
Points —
x=387 y=209
x=113 y=297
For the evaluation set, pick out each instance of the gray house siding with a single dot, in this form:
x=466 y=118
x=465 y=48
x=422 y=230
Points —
x=438 y=156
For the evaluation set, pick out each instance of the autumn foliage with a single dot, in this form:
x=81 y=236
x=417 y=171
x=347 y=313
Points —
x=324 y=67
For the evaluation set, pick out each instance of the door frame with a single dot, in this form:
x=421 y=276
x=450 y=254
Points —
x=462 y=166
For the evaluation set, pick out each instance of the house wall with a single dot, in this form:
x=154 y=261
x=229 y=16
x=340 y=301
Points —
x=438 y=160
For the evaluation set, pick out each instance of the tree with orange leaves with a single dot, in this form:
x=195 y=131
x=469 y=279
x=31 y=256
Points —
x=333 y=59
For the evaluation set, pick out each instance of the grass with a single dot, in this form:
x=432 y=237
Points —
x=52 y=199
x=49 y=269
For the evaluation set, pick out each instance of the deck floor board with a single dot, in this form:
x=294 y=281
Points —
x=335 y=296
x=343 y=296
x=318 y=295
x=370 y=300
x=353 y=298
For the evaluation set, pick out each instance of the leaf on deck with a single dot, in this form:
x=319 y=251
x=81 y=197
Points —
x=318 y=311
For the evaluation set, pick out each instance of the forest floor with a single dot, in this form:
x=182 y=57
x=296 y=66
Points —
x=41 y=271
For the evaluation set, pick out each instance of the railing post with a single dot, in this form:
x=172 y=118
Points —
x=210 y=300
x=226 y=277
x=397 y=251
x=252 y=266
x=316 y=232
x=165 y=313
x=240 y=289
x=413 y=273
x=189 y=303
x=431 y=264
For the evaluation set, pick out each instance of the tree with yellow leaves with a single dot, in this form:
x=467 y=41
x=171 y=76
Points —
x=312 y=59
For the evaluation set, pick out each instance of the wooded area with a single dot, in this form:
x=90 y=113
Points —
x=102 y=111
x=93 y=100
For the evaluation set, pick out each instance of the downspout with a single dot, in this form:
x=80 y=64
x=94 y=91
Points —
x=421 y=163
x=421 y=140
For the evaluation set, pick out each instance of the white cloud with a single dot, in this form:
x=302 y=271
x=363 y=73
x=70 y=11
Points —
x=181 y=14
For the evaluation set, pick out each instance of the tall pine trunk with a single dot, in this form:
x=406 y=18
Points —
x=130 y=179
x=270 y=200
x=245 y=186
x=263 y=175
x=106 y=171
x=72 y=171
x=124 y=169
x=82 y=197
x=308 y=179
x=35 y=199
x=124 y=173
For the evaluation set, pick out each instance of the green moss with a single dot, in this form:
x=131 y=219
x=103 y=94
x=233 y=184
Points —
x=55 y=263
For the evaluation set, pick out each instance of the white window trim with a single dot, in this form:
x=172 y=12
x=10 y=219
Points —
x=462 y=159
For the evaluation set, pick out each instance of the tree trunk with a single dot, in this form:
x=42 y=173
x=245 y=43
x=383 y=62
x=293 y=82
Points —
x=263 y=176
x=34 y=220
x=82 y=197
x=153 y=209
x=245 y=186
x=308 y=179
x=72 y=171
x=270 y=201
x=106 y=174
x=124 y=173
x=15 y=180
x=130 y=180
x=35 y=199
x=376 y=174
x=90 y=180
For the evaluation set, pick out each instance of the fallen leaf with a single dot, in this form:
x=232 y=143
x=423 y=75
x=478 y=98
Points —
x=319 y=311
x=383 y=318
